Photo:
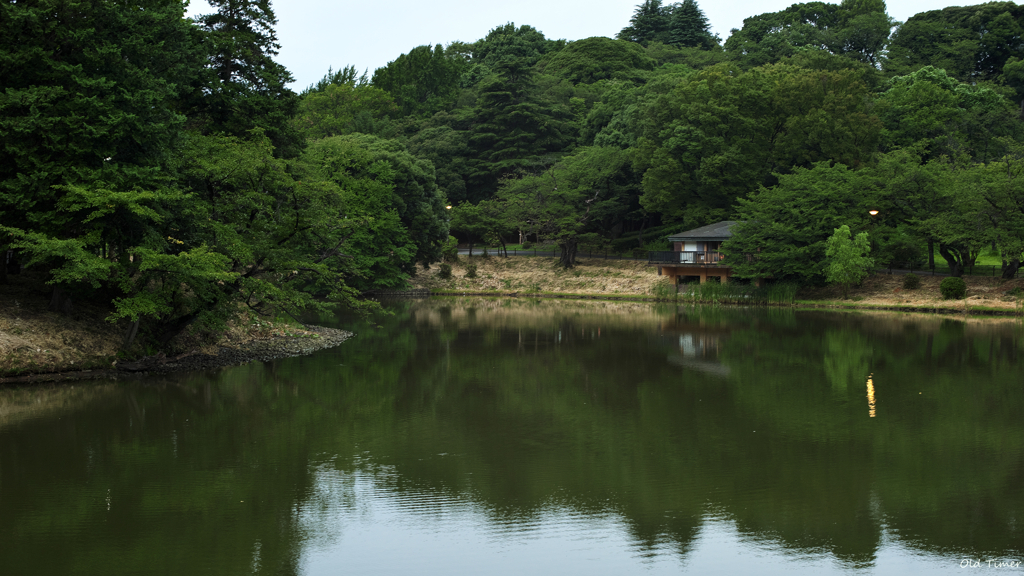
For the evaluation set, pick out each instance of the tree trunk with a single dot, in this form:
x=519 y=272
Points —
x=640 y=234
x=1010 y=268
x=931 y=254
x=168 y=330
x=5 y=254
x=956 y=265
x=568 y=257
x=60 y=301
x=129 y=336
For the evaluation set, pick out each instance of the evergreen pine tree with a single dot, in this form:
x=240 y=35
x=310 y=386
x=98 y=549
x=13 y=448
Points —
x=689 y=27
x=89 y=97
x=243 y=87
x=513 y=128
x=650 y=22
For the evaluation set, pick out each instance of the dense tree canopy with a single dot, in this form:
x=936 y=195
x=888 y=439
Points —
x=423 y=81
x=164 y=164
x=90 y=97
x=858 y=29
x=722 y=133
x=786 y=228
x=971 y=43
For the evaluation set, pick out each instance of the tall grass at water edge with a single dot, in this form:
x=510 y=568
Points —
x=715 y=293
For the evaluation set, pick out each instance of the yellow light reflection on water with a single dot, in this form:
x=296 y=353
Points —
x=871 y=396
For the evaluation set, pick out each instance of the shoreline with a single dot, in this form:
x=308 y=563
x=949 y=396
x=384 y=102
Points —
x=264 y=350
x=540 y=277
x=798 y=304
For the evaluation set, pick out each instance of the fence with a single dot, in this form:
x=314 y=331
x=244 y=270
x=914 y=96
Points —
x=993 y=270
x=581 y=253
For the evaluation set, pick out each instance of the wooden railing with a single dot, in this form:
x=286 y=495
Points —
x=674 y=257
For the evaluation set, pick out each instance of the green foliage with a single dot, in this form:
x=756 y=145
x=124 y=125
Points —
x=346 y=75
x=649 y=22
x=972 y=43
x=953 y=288
x=506 y=43
x=470 y=270
x=514 y=128
x=242 y=87
x=591 y=59
x=414 y=197
x=601 y=143
x=447 y=148
x=484 y=222
x=855 y=29
x=450 y=252
x=444 y=271
x=911 y=281
x=423 y=81
x=783 y=230
x=89 y=97
x=714 y=137
x=773 y=294
x=680 y=24
x=689 y=27
x=930 y=107
x=290 y=234
x=340 y=109
x=848 y=261
x=979 y=205
x=560 y=204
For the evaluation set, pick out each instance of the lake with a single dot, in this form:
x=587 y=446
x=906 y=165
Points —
x=518 y=436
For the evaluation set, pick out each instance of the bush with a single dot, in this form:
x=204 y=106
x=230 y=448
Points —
x=470 y=270
x=953 y=288
x=450 y=251
x=911 y=281
x=445 y=271
x=527 y=245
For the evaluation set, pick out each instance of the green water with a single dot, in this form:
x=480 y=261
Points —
x=477 y=436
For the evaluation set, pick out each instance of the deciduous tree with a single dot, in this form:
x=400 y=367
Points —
x=848 y=260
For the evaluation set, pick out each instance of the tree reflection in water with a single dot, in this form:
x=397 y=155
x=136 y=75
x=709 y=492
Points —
x=514 y=423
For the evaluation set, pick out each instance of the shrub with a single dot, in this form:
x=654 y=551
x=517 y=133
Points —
x=450 y=251
x=527 y=245
x=911 y=281
x=953 y=288
x=445 y=271
x=470 y=270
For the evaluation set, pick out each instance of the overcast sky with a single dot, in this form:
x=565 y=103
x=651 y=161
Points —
x=316 y=34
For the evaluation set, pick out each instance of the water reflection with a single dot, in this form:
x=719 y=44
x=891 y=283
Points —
x=501 y=436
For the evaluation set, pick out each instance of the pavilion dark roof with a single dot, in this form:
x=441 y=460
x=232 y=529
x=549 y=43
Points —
x=719 y=231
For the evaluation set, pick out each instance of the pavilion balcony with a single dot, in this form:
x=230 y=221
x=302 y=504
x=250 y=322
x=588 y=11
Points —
x=706 y=258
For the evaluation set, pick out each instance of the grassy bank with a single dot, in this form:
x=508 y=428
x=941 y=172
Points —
x=596 y=277
x=35 y=340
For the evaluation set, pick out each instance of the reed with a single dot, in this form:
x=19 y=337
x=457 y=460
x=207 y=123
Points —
x=715 y=293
